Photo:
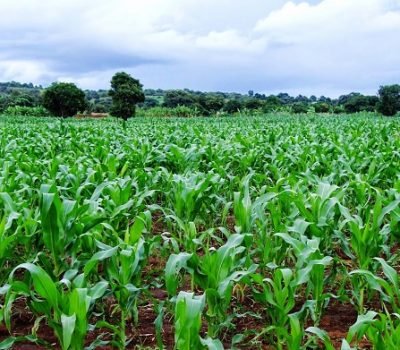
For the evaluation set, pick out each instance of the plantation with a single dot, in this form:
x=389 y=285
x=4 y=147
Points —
x=272 y=232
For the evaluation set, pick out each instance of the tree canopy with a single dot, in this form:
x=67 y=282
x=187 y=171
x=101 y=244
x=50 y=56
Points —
x=389 y=103
x=64 y=99
x=125 y=92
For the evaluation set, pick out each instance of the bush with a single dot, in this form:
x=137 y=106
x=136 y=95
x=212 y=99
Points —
x=339 y=109
x=27 y=111
x=164 y=112
x=322 y=107
x=233 y=106
x=299 y=107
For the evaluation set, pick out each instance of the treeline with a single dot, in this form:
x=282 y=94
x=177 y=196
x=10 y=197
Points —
x=387 y=102
x=15 y=95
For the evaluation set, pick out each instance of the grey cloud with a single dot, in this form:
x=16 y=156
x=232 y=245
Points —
x=266 y=46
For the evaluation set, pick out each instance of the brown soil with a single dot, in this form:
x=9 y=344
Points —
x=336 y=321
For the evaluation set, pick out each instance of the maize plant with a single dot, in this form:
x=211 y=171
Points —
x=66 y=305
x=259 y=230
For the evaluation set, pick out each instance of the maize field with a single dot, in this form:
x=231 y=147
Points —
x=272 y=232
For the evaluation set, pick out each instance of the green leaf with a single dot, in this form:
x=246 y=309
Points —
x=68 y=328
x=358 y=328
x=321 y=334
x=99 y=256
x=212 y=344
x=175 y=264
x=42 y=282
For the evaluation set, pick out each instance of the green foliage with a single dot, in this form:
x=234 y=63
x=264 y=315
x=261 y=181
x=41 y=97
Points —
x=389 y=103
x=64 y=99
x=26 y=111
x=233 y=106
x=322 y=107
x=244 y=231
x=299 y=107
x=360 y=103
x=66 y=305
x=125 y=92
x=188 y=311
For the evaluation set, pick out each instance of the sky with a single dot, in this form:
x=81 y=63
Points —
x=314 y=47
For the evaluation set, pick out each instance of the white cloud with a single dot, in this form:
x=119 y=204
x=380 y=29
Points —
x=299 y=46
x=20 y=70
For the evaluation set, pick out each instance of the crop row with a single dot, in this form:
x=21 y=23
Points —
x=234 y=233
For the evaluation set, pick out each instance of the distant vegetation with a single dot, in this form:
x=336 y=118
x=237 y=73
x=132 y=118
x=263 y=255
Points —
x=186 y=103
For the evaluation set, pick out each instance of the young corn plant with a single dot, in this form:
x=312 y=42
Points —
x=216 y=273
x=320 y=209
x=368 y=239
x=188 y=313
x=387 y=286
x=376 y=330
x=122 y=266
x=278 y=295
x=310 y=265
x=369 y=234
x=7 y=241
x=63 y=223
x=384 y=332
x=65 y=305
x=189 y=193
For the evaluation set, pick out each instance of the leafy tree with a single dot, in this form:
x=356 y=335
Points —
x=233 y=106
x=360 y=103
x=389 y=103
x=301 y=98
x=271 y=103
x=342 y=100
x=299 y=107
x=253 y=103
x=3 y=102
x=125 y=92
x=64 y=99
x=322 y=107
x=325 y=99
x=285 y=98
x=339 y=109
x=98 y=107
x=175 y=98
x=21 y=99
x=210 y=103
x=150 y=102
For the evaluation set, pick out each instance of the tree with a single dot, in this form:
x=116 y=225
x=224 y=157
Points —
x=361 y=103
x=125 y=92
x=271 y=103
x=175 y=98
x=232 y=106
x=210 y=103
x=64 y=99
x=322 y=107
x=150 y=102
x=299 y=107
x=253 y=103
x=389 y=103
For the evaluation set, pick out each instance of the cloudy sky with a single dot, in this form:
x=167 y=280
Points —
x=311 y=47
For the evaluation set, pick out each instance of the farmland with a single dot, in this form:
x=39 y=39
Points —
x=272 y=232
